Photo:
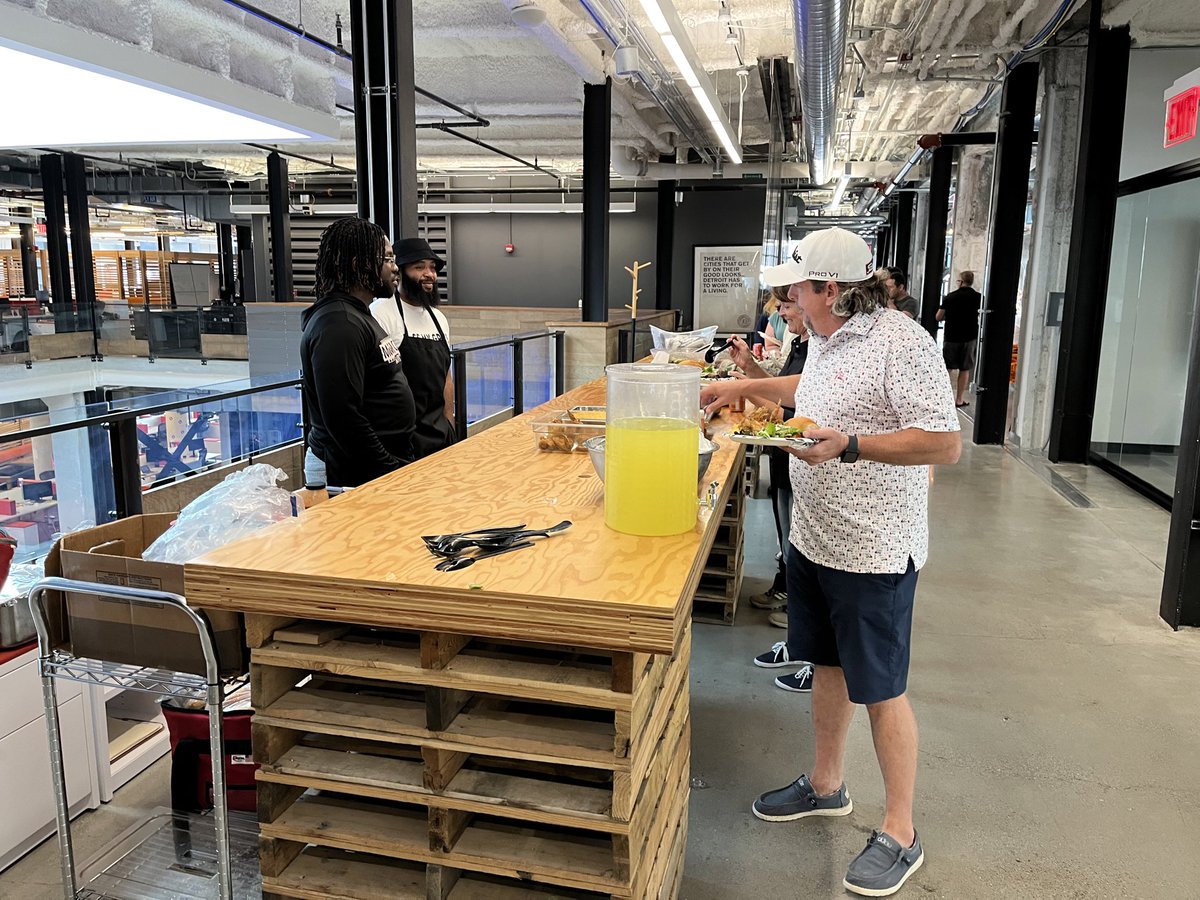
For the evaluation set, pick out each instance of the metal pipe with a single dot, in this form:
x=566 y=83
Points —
x=486 y=146
x=820 y=50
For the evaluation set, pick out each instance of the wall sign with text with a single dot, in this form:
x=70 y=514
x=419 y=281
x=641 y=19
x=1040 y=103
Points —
x=725 y=287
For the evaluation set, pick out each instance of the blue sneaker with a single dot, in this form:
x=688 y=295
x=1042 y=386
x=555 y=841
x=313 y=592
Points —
x=777 y=657
x=799 y=801
x=883 y=866
x=798 y=682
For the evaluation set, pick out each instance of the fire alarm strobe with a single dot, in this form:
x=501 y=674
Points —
x=509 y=248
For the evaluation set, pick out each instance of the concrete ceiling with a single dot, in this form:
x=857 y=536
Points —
x=926 y=62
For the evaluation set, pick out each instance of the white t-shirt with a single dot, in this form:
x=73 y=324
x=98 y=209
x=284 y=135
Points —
x=419 y=320
x=877 y=374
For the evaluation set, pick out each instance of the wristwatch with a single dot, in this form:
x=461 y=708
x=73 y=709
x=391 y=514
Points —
x=850 y=454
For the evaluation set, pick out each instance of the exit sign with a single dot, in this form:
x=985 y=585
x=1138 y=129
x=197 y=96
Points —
x=1183 y=104
x=1181 y=117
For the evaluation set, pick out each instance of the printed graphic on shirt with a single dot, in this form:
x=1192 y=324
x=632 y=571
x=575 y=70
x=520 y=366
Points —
x=389 y=350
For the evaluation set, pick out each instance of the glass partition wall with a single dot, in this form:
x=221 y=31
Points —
x=1152 y=298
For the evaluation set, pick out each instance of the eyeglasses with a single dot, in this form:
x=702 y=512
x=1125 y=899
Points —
x=389 y=257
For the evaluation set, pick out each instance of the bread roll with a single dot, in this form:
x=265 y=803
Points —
x=695 y=363
x=802 y=422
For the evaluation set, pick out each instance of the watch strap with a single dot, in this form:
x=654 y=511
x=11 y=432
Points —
x=850 y=454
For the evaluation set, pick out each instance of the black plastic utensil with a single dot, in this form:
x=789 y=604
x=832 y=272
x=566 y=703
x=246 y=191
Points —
x=455 y=546
x=713 y=352
x=454 y=563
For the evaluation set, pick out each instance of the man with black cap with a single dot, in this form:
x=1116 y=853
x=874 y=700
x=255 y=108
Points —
x=421 y=333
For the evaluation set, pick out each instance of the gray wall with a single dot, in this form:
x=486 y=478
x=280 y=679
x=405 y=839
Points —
x=712 y=218
x=1151 y=72
x=545 y=269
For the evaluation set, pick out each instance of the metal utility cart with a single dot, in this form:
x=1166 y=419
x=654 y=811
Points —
x=57 y=663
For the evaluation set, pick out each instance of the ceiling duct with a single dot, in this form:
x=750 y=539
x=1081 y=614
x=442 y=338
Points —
x=820 y=49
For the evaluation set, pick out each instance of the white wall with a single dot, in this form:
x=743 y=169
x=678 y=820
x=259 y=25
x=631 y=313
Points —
x=1150 y=73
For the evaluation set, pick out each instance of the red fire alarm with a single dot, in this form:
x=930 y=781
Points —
x=509 y=248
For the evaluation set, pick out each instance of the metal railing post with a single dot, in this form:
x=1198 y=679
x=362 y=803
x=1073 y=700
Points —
x=518 y=375
x=460 y=392
x=127 y=474
x=560 y=362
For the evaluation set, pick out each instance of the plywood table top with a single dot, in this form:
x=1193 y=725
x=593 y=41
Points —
x=359 y=557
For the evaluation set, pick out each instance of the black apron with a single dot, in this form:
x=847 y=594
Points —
x=426 y=362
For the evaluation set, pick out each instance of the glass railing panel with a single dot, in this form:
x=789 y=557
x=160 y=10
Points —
x=54 y=483
x=538 y=371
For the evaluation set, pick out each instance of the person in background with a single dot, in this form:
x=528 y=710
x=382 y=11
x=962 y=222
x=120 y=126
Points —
x=898 y=296
x=874 y=383
x=780 y=655
x=960 y=313
x=421 y=332
x=360 y=408
x=770 y=330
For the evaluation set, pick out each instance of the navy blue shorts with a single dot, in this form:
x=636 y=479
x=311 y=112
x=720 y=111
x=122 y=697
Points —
x=859 y=622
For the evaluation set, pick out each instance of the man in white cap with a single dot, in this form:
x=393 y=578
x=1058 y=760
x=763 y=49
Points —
x=875 y=384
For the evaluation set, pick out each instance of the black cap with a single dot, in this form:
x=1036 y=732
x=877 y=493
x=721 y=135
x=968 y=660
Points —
x=411 y=250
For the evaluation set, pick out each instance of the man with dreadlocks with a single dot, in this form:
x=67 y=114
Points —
x=360 y=407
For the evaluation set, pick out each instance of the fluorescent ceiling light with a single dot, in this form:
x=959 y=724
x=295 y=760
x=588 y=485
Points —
x=657 y=19
x=682 y=63
x=839 y=191
x=665 y=21
x=79 y=107
x=90 y=91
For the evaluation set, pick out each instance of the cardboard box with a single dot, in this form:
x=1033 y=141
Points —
x=157 y=636
x=8 y=507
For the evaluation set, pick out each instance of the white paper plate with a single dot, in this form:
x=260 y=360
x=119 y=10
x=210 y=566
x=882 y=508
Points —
x=794 y=443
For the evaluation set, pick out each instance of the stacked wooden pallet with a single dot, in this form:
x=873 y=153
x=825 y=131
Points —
x=716 y=596
x=425 y=764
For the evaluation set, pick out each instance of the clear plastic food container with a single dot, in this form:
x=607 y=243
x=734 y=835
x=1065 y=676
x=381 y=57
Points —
x=558 y=433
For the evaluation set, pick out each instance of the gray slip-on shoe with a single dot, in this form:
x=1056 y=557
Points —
x=883 y=866
x=799 y=801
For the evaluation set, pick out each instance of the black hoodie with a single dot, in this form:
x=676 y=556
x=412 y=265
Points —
x=361 y=410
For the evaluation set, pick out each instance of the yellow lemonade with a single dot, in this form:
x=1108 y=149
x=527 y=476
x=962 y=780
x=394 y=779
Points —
x=650 y=475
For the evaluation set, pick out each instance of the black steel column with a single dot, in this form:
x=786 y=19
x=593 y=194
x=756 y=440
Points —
x=1096 y=177
x=29 y=255
x=225 y=260
x=665 y=249
x=81 y=248
x=883 y=246
x=597 y=128
x=1010 y=197
x=281 y=228
x=59 y=259
x=245 y=257
x=385 y=114
x=902 y=240
x=935 y=236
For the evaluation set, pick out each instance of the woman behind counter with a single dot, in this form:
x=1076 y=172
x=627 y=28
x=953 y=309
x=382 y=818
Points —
x=360 y=408
x=421 y=331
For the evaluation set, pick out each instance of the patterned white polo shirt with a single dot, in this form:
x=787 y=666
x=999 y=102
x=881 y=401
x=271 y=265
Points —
x=879 y=373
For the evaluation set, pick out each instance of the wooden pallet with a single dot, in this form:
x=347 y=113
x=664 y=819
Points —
x=439 y=764
x=751 y=470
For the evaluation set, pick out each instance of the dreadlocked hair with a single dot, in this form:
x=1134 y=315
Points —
x=857 y=297
x=350 y=256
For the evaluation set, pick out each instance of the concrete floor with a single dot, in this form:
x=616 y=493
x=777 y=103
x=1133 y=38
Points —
x=1058 y=715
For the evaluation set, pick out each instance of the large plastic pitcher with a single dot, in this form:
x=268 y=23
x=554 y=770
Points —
x=652 y=448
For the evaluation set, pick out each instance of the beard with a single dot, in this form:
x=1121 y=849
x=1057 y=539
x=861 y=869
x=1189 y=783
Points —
x=414 y=292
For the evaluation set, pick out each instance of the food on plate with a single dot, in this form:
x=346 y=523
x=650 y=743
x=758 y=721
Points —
x=694 y=363
x=764 y=422
x=802 y=422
